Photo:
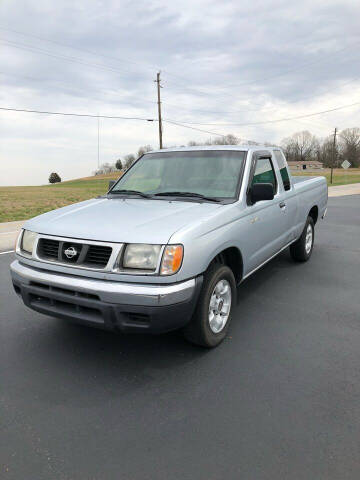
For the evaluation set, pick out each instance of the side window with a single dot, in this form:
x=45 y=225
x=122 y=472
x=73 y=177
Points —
x=264 y=172
x=283 y=167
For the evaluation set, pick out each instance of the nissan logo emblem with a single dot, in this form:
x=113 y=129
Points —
x=71 y=252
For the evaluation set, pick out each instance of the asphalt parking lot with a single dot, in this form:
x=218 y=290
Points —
x=279 y=399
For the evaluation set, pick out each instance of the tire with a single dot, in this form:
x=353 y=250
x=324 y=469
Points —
x=209 y=324
x=301 y=250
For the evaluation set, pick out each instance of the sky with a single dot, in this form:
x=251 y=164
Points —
x=226 y=67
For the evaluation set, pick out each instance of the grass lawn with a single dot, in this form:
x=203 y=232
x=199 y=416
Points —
x=340 y=176
x=20 y=203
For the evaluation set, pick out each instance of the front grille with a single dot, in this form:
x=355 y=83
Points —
x=74 y=253
x=98 y=255
x=49 y=248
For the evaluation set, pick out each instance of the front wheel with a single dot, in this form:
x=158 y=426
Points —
x=301 y=250
x=212 y=316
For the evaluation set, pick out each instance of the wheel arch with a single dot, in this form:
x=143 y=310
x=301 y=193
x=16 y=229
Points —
x=232 y=257
x=314 y=213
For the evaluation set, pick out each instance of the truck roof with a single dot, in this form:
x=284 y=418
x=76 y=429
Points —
x=241 y=148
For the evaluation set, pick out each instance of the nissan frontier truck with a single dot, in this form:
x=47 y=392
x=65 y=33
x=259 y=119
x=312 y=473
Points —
x=166 y=247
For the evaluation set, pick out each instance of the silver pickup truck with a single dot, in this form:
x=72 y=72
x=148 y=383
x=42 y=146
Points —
x=168 y=244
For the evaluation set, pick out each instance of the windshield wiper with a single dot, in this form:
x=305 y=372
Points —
x=130 y=192
x=186 y=194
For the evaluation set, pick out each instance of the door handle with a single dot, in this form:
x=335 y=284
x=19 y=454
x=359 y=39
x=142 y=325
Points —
x=282 y=205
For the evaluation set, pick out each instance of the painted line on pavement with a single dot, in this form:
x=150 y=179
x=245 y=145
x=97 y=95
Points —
x=9 y=251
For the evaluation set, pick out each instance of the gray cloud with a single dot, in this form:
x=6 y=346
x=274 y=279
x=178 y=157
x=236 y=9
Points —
x=221 y=62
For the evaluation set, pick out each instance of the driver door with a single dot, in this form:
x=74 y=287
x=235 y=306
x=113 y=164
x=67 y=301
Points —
x=268 y=225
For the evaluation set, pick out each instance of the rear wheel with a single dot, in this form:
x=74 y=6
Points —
x=301 y=250
x=212 y=316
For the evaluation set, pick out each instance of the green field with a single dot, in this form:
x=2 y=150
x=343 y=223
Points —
x=340 y=176
x=20 y=203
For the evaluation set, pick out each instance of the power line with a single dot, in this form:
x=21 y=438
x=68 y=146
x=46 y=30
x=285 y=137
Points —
x=35 y=49
x=57 y=81
x=142 y=64
x=42 y=51
x=104 y=67
x=246 y=140
x=172 y=122
x=75 y=48
x=117 y=59
x=179 y=106
x=110 y=57
x=263 y=79
x=78 y=114
x=298 y=67
x=111 y=117
x=272 y=121
x=262 y=110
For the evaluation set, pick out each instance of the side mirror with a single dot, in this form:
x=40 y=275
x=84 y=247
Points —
x=112 y=183
x=261 y=191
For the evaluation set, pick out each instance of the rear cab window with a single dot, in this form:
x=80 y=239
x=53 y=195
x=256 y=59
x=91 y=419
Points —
x=264 y=172
x=283 y=168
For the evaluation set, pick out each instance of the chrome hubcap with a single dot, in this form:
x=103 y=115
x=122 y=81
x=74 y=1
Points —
x=308 y=239
x=220 y=305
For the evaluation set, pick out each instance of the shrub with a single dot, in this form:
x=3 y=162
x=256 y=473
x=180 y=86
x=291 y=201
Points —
x=54 y=178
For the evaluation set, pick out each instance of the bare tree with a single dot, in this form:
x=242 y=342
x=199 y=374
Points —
x=223 y=140
x=326 y=152
x=105 y=168
x=226 y=140
x=144 y=149
x=350 y=145
x=129 y=160
x=301 y=146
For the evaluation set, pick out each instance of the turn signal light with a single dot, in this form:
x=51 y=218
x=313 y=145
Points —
x=172 y=259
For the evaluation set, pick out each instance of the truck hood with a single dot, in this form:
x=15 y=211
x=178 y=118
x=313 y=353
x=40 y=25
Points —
x=121 y=220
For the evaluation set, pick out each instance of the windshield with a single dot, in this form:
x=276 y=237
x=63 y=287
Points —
x=206 y=173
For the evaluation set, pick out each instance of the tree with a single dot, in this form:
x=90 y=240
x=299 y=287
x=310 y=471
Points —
x=226 y=140
x=144 y=149
x=54 y=178
x=105 y=168
x=118 y=164
x=350 y=145
x=326 y=152
x=129 y=160
x=301 y=146
x=222 y=140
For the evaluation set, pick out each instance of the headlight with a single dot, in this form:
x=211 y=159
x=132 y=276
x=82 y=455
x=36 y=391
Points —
x=141 y=256
x=27 y=241
x=172 y=259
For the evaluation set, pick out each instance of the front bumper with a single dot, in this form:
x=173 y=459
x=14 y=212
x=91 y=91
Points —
x=107 y=304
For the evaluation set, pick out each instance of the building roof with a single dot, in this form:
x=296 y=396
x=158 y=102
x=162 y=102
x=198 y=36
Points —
x=306 y=162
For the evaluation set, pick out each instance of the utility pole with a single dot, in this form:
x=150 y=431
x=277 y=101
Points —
x=159 y=108
x=334 y=156
x=98 y=145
